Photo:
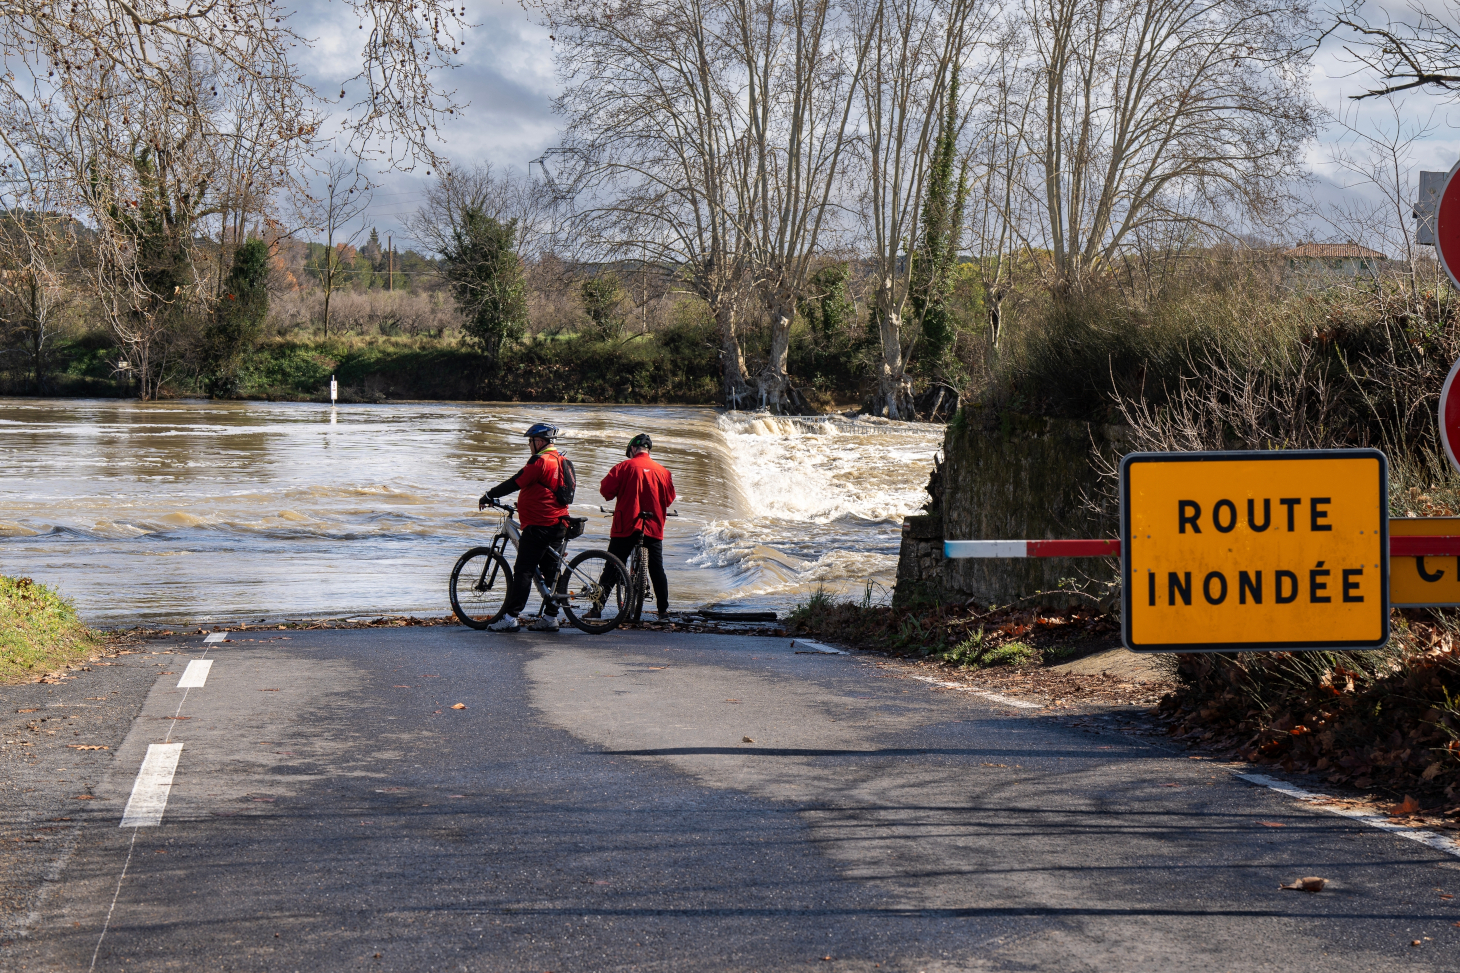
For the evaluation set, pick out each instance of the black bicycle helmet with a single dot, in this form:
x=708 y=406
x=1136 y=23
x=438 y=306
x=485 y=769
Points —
x=542 y=430
x=641 y=441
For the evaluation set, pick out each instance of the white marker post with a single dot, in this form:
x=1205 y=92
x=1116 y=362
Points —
x=334 y=391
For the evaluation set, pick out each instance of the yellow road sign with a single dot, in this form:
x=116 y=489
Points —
x=1255 y=550
x=1416 y=582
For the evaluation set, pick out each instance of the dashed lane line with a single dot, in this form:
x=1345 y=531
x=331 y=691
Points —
x=154 y=782
x=196 y=674
x=216 y=637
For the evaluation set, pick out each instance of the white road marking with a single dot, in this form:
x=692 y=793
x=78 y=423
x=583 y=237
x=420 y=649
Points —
x=808 y=645
x=154 y=781
x=1007 y=701
x=216 y=637
x=1436 y=841
x=195 y=675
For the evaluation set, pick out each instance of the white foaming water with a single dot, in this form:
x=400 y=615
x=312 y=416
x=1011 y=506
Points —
x=826 y=497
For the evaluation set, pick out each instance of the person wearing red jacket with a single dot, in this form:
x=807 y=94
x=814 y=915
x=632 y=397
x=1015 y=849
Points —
x=636 y=485
x=544 y=523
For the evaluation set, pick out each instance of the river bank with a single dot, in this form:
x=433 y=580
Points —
x=678 y=365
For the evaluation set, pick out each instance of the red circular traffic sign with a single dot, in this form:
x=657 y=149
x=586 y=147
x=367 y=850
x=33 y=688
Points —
x=1450 y=415
x=1447 y=227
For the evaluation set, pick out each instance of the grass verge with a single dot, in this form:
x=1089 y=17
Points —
x=39 y=631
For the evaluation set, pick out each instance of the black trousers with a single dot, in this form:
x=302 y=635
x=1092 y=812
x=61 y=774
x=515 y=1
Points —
x=620 y=547
x=535 y=550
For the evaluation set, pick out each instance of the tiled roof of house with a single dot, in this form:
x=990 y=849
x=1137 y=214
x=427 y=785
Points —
x=1330 y=251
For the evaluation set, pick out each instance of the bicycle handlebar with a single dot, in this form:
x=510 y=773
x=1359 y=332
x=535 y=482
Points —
x=510 y=508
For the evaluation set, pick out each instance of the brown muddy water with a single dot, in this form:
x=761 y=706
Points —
x=197 y=512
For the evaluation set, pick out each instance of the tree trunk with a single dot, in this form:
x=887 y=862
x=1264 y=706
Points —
x=775 y=380
x=732 y=356
x=894 y=391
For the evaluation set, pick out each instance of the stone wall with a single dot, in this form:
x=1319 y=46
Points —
x=1009 y=477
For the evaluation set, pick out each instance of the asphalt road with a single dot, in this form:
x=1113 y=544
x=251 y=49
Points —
x=661 y=802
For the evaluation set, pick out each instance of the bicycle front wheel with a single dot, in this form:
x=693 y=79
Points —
x=639 y=583
x=480 y=583
x=595 y=592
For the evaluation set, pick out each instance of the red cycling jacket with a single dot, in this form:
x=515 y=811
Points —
x=536 y=507
x=638 y=484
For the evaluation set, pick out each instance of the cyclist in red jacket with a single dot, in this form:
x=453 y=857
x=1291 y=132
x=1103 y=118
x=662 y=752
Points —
x=640 y=484
x=544 y=523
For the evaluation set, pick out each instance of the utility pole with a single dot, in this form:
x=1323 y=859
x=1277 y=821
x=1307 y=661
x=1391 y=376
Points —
x=389 y=264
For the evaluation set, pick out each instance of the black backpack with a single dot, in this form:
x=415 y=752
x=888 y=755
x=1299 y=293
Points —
x=567 y=486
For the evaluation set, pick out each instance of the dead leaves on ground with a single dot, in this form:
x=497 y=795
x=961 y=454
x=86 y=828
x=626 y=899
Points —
x=1310 y=884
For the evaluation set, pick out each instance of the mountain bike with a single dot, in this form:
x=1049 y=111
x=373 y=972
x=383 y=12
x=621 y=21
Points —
x=592 y=589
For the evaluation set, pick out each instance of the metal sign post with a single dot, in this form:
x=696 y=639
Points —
x=1271 y=550
x=334 y=390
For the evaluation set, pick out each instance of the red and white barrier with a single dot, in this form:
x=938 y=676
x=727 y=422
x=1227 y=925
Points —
x=1398 y=547
x=1075 y=548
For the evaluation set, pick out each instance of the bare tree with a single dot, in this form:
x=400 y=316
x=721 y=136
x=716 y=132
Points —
x=657 y=154
x=346 y=198
x=1379 y=154
x=1419 y=52
x=716 y=133
x=504 y=196
x=1159 y=111
x=912 y=72
x=34 y=297
x=196 y=112
x=1000 y=208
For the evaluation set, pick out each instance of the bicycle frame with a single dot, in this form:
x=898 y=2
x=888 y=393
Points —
x=512 y=533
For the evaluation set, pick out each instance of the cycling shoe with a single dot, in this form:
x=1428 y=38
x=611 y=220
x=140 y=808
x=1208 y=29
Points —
x=507 y=623
x=544 y=623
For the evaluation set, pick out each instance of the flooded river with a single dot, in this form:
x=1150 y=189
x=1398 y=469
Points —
x=194 y=512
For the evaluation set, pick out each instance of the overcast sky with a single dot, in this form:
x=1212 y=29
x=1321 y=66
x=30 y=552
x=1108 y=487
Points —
x=509 y=80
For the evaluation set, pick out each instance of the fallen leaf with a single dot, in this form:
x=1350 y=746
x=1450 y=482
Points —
x=268 y=690
x=402 y=687
x=83 y=797
x=746 y=740
x=31 y=710
x=1408 y=806
x=458 y=706
x=732 y=700
x=1310 y=884
x=1272 y=824
x=1415 y=943
x=82 y=746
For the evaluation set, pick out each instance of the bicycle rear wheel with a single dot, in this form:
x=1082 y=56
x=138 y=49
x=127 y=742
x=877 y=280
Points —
x=594 y=589
x=639 y=583
x=480 y=583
